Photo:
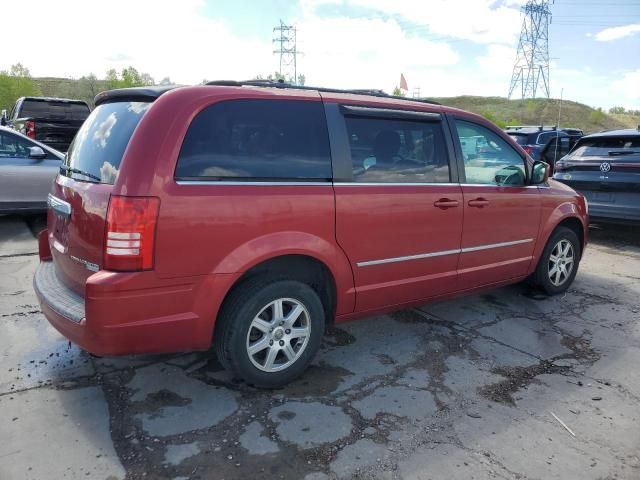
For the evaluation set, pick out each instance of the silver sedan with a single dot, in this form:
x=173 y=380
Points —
x=27 y=169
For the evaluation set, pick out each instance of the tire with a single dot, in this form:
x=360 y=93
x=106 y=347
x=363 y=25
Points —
x=564 y=246
x=249 y=318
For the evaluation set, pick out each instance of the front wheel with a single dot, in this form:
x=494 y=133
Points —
x=558 y=264
x=268 y=332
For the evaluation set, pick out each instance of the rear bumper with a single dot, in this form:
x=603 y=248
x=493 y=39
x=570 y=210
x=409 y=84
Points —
x=604 y=212
x=132 y=313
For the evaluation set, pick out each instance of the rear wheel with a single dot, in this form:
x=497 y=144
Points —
x=268 y=331
x=558 y=264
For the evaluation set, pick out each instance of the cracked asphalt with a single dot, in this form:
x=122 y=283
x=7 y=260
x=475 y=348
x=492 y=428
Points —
x=477 y=387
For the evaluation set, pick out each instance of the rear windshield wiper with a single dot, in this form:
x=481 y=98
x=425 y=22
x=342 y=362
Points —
x=65 y=168
x=622 y=152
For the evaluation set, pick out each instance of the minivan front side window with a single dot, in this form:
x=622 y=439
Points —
x=488 y=159
x=257 y=140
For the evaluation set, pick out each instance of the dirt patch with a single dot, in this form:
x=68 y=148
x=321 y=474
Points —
x=516 y=379
x=336 y=337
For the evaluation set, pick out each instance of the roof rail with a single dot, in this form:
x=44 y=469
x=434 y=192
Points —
x=282 y=84
x=518 y=127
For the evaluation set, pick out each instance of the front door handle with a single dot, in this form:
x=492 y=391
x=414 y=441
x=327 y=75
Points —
x=445 y=203
x=478 y=202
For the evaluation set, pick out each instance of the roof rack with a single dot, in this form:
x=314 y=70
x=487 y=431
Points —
x=282 y=84
x=540 y=128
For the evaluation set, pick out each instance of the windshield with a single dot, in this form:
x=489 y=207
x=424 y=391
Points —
x=624 y=147
x=98 y=146
x=520 y=139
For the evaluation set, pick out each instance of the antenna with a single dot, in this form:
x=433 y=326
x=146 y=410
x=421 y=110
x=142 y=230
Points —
x=532 y=59
x=555 y=153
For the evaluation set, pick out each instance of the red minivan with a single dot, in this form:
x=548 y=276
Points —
x=249 y=216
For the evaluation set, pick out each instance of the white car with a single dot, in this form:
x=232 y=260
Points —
x=27 y=170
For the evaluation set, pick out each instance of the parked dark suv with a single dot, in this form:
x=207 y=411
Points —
x=533 y=139
x=251 y=216
x=605 y=168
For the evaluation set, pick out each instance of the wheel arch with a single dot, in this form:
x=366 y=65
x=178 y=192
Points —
x=303 y=268
x=564 y=215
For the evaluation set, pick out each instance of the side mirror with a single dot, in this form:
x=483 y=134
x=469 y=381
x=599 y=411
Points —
x=37 y=153
x=540 y=172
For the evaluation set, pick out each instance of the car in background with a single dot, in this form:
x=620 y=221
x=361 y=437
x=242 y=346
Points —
x=533 y=138
x=605 y=168
x=27 y=170
x=555 y=149
x=52 y=121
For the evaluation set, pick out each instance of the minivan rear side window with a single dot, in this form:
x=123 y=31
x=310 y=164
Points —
x=257 y=140
x=99 y=145
x=397 y=151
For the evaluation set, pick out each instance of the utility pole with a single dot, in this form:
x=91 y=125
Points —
x=531 y=69
x=286 y=47
x=416 y=92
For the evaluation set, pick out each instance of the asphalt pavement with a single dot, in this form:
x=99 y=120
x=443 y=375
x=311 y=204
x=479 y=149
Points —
x=504 y=384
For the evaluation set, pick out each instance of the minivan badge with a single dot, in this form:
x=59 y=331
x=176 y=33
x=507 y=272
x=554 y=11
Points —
x=88 y=265
x=605 y=167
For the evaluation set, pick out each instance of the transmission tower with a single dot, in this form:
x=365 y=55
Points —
x=531 y=69
x=286 y=47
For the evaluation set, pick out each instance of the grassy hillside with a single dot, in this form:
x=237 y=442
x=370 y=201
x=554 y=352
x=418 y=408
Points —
x=631 y=121
x=84 y=88
x=539 y=111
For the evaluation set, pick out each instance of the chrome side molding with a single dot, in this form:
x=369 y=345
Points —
x=59 y=206
x=442 y=253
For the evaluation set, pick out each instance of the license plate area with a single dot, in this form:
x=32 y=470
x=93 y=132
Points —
x=61 y=216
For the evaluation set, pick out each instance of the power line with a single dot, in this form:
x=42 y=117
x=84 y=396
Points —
x=532 y=58
x=286 y=47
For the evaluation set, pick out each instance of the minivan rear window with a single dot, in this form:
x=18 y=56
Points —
x=48 y=109
x=623 y=147
x=99 y=145
x=257 y=140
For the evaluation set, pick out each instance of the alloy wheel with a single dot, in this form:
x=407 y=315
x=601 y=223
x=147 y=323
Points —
x=561 y=262
x=278 y=335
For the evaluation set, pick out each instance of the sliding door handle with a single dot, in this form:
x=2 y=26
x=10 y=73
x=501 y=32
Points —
x=478 y=202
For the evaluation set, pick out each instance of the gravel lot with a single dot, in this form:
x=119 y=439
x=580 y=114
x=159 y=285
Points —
x=470 y=388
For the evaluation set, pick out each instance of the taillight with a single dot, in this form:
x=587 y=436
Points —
x=131 y=232
x=528 y=149
x=30 y=129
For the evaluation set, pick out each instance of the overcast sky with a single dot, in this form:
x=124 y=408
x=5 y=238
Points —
x=443 y=47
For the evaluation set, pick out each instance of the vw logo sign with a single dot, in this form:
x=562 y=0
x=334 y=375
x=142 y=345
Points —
x=605 y=167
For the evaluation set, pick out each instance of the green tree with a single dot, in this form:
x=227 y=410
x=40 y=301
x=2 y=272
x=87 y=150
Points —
x=16 y=83
x=89 y=87
x=597 y=116
x=129 y=77
x=492 y=118
x=19 y=70
x=398 y=93
x=302 y=79
x=617 y=110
